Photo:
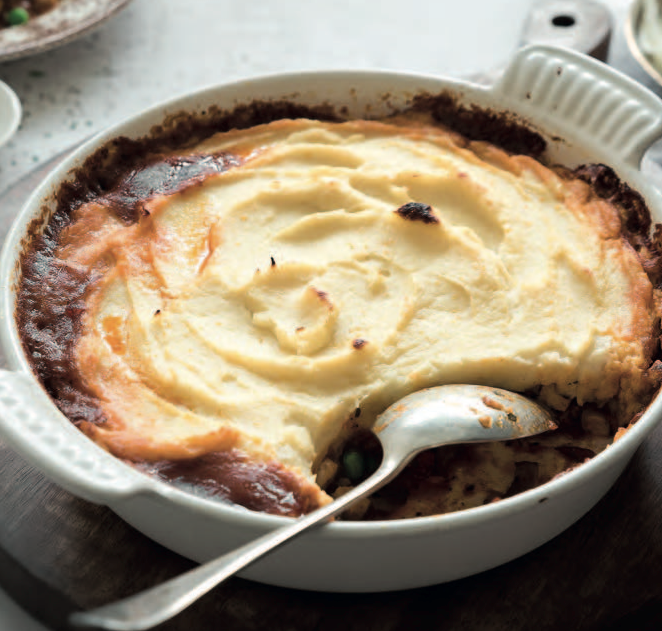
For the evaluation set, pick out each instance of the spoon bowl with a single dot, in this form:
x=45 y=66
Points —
x=430 y=418
x=458 y=414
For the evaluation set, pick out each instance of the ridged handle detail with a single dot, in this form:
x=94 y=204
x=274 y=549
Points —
x=32 y=425
x=580 y=96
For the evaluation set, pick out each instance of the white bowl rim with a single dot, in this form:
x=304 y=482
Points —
x=9 y=100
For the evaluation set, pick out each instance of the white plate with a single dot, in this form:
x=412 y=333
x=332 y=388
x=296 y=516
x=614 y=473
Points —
x=69 y=20
x=10 y=113
x=633 y=27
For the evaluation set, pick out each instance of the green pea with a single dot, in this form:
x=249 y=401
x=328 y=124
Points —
x=17 y=16
x=354 y=464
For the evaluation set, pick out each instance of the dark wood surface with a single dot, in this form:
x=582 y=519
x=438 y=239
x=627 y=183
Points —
x=59 y=553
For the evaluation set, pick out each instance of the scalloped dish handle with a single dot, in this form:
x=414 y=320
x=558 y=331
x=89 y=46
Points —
x=30 y=423
x=580 y=97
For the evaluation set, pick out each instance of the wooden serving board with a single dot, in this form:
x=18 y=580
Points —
x=59 y=553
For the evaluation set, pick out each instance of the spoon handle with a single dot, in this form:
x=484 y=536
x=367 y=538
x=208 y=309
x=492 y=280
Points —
x=158 y=604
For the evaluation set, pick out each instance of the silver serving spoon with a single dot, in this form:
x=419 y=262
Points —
x=429 y=418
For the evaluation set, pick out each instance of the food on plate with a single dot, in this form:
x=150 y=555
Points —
x=231 y=312
x=649 y=32
x=18 y=12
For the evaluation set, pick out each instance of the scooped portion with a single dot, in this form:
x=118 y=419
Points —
x=251 y=300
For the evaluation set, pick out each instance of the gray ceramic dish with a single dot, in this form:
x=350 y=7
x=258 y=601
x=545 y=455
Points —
x=69 y=20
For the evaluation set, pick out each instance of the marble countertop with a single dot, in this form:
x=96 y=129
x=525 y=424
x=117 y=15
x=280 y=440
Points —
x=152 y=51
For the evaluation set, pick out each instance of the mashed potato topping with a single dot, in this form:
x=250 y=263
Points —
x=336 y=267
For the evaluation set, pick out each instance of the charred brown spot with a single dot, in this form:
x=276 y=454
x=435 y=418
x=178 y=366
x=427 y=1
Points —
x=607 y=185
x=49 y=313
x=500 y=128
x=527 y=476
x=417 y=211
x=233 y=477
x=163 y=177
x=634 y=214
x=324 y=297
x=273 y=262
x=575 y=454
x=359 y=343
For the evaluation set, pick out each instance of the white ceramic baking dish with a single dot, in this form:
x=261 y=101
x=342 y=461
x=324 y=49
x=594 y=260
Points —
x=588 y=113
